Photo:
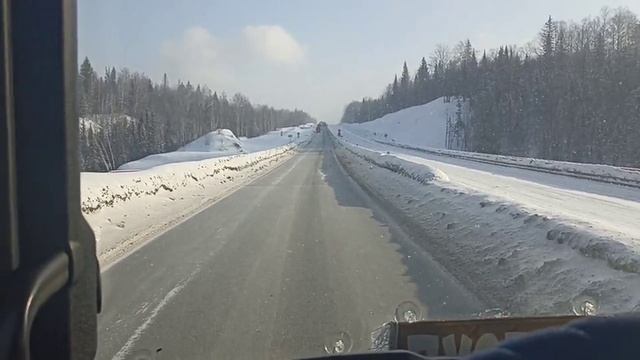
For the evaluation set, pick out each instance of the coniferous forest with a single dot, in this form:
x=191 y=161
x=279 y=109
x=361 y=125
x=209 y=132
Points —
x=125 y=116
x=571 y=94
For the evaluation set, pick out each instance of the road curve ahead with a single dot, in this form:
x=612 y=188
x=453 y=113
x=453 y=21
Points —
x=271 y=271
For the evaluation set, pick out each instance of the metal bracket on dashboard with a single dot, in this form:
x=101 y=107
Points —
x=33 y=292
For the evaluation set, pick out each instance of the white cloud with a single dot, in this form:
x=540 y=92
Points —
x=225 y=63
x=196 y=56
x=265 y=63
x=274 y=43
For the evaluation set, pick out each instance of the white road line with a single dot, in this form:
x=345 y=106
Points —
x=128 y=346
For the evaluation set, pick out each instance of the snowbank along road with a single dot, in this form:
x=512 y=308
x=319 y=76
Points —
x=145 y=197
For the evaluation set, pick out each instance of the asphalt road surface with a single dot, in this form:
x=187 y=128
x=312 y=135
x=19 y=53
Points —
x=272 y=271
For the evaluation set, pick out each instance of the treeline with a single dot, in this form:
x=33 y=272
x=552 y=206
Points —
x=574 y=94
x=125 y=116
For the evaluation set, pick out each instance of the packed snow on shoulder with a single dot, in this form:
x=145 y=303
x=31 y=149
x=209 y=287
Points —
x=522 y=246
x=221 y=142
x=422 y=125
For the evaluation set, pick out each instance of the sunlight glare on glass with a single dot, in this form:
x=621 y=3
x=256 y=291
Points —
x=339 y=343
x=584 y=306
x=407 y=312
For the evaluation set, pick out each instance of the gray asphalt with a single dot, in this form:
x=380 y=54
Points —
x=272 y=271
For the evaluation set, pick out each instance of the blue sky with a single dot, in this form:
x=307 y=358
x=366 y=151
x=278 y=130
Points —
x=313 y=55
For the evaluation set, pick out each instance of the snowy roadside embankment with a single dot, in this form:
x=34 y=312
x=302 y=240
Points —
x=125 y=208
x=510 y=255
x=606 y=173
x=102 y=190
x=420 y=173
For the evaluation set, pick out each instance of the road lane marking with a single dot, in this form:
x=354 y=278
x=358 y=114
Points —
x=128 y=346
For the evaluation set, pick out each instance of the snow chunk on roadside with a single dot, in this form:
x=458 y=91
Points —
x=421 y=173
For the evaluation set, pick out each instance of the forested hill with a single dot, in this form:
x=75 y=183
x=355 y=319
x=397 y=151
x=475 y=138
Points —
x=572 y=94
x=125 y=116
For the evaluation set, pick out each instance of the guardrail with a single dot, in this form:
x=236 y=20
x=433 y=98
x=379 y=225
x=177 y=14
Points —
x=633 y=179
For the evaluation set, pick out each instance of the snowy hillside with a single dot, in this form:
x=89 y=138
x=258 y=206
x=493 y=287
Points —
x=422 y=125
x=219 y=143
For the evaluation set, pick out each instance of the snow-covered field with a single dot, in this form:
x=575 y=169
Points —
x=128 y=206
x=523 y=240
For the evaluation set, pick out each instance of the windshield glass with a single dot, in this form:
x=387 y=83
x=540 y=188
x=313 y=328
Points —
x=279 y=179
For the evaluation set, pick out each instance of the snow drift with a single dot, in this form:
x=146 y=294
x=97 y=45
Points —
x=221 y=140
x=420 y=173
